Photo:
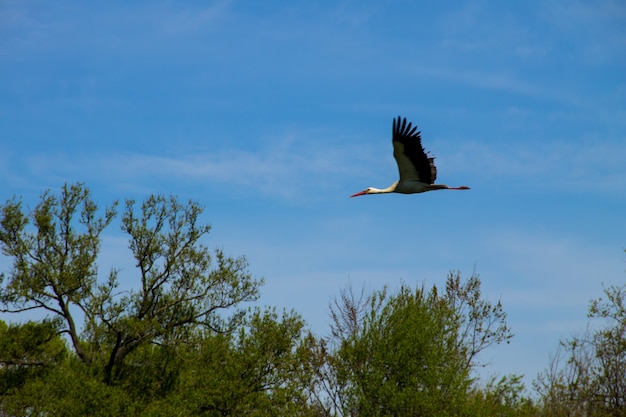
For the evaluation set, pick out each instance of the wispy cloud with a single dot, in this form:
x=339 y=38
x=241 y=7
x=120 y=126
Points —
x=599 y=167
x=192 y=19
x=298 y=165
x=11 y=14
x=498 y=80
x=288 y=168
x=587 y=22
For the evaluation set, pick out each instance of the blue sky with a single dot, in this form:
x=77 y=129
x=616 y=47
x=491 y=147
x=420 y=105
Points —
x=272 y=113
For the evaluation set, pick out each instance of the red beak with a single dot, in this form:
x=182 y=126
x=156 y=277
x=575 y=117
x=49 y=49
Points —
x=358 y=194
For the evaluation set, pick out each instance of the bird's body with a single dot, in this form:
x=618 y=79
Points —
x=416 y=168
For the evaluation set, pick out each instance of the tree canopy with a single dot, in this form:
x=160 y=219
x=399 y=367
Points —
x=182 y=334
x=587 y=374
x=178 y=287
x=409 y=353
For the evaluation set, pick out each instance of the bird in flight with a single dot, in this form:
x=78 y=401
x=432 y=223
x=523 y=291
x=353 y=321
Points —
x=417 y=169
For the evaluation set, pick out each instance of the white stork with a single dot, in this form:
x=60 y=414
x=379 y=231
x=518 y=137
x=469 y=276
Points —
x=417 y=169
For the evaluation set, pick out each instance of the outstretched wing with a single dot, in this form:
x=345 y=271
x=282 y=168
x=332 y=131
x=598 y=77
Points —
x=413 y=162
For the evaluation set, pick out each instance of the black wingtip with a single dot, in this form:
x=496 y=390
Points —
x=404 y=129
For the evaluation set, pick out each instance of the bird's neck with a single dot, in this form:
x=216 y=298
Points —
x=389 y=189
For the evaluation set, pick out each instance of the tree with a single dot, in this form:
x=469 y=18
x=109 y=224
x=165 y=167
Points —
x=178 y=287
x=504 y=397
x=175 y=340
x=260 y=370
x=30 y=345
x=27 y=350
x=407 y=354
x=587 y=374
x=68 y=389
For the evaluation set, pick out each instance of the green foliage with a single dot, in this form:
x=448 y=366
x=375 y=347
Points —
x=180 y=288
x=27 y=350
x=178 y=342
x=256 y=372
x=586 y=376
x=31 y=344
x=504 y=397
x=407 y=354
x=53 y=265
x=69 y=389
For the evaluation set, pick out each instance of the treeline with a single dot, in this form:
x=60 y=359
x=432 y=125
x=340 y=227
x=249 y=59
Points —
x=176 y=339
